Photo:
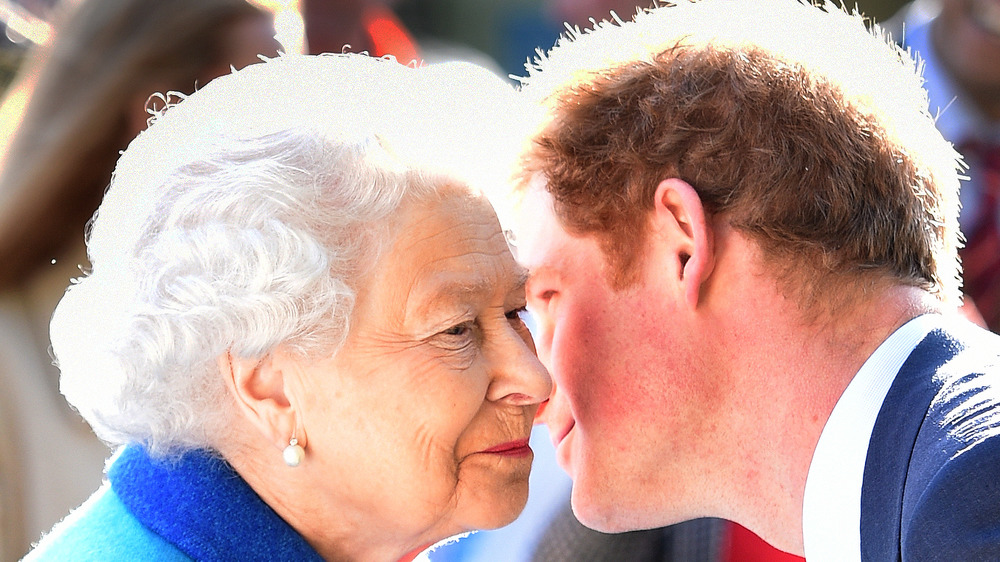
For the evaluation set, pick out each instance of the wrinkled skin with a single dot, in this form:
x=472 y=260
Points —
x=421 y=421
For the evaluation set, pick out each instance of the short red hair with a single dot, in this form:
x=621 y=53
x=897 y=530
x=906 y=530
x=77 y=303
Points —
x=824 y=176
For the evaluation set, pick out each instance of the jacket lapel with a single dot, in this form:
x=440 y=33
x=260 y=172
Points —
x=892 y=442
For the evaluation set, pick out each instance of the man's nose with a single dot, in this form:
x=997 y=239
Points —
x=547 y=408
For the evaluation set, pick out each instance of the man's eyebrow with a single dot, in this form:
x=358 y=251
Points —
x=543 y=269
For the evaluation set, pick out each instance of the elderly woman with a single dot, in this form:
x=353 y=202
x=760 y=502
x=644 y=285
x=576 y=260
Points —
x=302 y=327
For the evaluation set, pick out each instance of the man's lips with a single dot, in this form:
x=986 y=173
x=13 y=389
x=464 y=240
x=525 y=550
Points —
x=558 y=436
x=516 y=448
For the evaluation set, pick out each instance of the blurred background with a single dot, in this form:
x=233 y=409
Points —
x=507 y=32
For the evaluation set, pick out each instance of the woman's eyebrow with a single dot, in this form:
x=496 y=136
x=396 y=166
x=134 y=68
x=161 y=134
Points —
x=448 y=286
x=521 y=281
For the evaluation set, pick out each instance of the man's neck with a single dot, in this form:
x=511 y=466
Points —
x=795 y=373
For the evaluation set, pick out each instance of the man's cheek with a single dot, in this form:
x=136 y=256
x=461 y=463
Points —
x=543 y=333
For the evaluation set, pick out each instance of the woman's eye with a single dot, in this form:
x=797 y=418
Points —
x=458 y=337
x=517 y=314
x=522 y=316
x=459 y=330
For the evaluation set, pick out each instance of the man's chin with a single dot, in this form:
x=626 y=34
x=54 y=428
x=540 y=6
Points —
x=607 y=511
x=598 y=511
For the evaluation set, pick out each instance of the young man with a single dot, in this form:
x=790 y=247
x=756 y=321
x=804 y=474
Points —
x=741 y=227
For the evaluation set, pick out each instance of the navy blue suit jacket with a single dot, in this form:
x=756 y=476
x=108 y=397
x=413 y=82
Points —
x=931 y=487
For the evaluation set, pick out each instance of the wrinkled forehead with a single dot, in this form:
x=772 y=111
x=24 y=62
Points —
x=447 y=247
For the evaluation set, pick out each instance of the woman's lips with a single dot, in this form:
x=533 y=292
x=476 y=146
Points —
x=518 y=448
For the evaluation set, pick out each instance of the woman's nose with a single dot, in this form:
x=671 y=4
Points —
x=518 y=375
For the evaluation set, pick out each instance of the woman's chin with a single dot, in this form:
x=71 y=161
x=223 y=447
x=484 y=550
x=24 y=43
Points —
x=501 y=512
x=490 y=492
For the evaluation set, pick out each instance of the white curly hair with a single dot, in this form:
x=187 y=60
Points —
x=241 y=219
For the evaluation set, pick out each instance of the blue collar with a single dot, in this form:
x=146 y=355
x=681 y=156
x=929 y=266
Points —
x=202 y=506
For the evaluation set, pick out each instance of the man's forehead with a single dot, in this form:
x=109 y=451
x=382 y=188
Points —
x=535 y=229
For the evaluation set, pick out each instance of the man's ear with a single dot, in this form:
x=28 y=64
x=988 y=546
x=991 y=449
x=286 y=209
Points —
x=260 y=387
x=678 y=215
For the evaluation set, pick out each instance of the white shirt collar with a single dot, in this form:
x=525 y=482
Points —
x=831 y=510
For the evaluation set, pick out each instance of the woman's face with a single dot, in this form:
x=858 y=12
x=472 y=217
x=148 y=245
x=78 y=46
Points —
x=420 y=423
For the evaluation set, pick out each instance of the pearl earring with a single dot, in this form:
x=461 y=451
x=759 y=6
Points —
x=293 y=453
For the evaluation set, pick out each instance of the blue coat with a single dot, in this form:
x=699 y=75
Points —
x=194 y=508
x=931 y=488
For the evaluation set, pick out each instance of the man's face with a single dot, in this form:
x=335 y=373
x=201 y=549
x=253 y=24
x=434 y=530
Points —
x=631 y=418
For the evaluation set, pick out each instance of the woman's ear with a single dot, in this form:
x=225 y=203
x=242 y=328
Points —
x=260 y=387
x=679 y=217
